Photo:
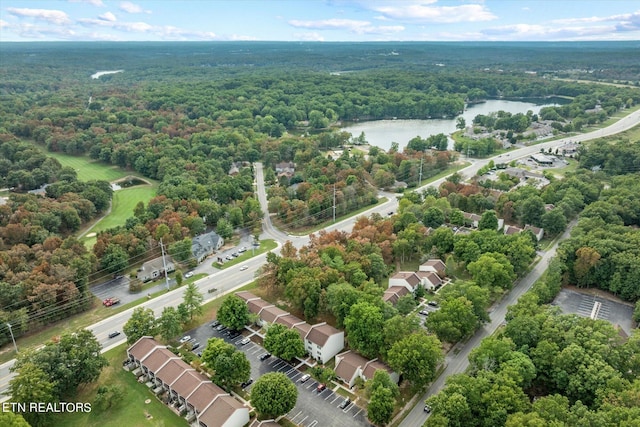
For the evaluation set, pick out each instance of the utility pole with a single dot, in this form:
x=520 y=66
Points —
x=420 y=185
x=334 y=203
x=164 y=265
x=12 y=338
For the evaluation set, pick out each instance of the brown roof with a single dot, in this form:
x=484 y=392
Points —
x=172 y=370
x=303 y=329
x=246 y=296
x=255 y=306
x=203 y=395
x=534 y=230
x=394 y=293
x=218 y=413
x=289 y=320
x=319 y=334
x=187 y=383
x=471 y=216
x=510 y=229
x=408 y=276
x=270 y=314
x=372 y=367
x=436 y=264
x=431 y=277
x=158 y=358
x=348 y=365
x=143 y=347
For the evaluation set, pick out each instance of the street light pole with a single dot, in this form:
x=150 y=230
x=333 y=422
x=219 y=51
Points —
x=12 y=338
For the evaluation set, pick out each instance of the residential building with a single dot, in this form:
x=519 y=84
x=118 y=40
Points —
x=429 y=280
x=205 y=244
x=323 y=342
x=155 y=268
x=188 y=391
x=434 y=265
x=511 y=229
x=350 y=366
x=408 y=279
x=538 y=232
x=393 y=294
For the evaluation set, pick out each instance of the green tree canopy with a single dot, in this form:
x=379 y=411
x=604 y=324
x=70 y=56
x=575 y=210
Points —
x=141 y=323
x=233 y=313
x=273 y=395
x=283 y=342
x=228 y=365
x=416 y=357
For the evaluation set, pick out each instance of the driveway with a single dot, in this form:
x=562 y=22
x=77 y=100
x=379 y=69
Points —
x=312 y=409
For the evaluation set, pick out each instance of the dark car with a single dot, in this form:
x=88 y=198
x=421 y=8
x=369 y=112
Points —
x=321 y=387
x=427 y=409
x=233 y=334
x=247 y=383
x=264 y=356
x=345 y=403
x=195 y=345
x=432 y=303
x=215 y=323
x=114 y=334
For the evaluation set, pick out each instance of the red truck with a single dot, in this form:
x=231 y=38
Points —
x=110 y=301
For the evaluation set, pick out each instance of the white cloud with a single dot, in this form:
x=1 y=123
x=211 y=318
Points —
x=56 y=17
x=108 y=17
x=309 y=37
x=437 y=14
x=3 y=23
x=351 y=25
x=127 y=6
x=97 y=3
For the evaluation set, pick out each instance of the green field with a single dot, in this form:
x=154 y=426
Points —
x=87 y=168
x=124 y=201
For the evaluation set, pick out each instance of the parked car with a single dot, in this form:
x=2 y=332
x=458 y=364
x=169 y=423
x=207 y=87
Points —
x=244 y=267
x=215 y=323
x=305 y=378
x=242 y=249
x=184 y=339
x=432 y=304
x=245 y=341
x=189 y=274
x=321 y=387
x=234 y=334
x=110 y=301
x=228 y=258
x=427 y=409
x=264 y=356
x=247 y=383
x=220 y=327
x=114 y=334
x=424 y=312
x=345 y=403
x=195 y=345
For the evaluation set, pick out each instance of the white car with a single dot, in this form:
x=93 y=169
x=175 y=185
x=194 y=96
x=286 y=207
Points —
x=189 y=274
x=244 y=267
x=184 y=339
x=245 y=341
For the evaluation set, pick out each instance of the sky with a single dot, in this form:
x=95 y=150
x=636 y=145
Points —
x=319 y=20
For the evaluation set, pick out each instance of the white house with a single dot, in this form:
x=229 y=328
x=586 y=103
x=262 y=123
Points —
x=434 y=265
x=538 y=232
x=351 y=365
x=323 y=342
x=408 y=279
x=429 y=280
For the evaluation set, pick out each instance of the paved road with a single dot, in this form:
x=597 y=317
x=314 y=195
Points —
x=457 y=363
x=228 y=280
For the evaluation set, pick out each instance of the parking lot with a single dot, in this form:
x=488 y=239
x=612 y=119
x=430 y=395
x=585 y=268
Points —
x=582 y=304
x=312 y=408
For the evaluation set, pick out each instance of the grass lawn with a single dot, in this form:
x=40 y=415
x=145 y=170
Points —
x=124 y=201
x=131 y=410
x=87 y=168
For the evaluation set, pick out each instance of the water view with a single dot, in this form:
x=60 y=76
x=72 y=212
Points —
x=382 y=133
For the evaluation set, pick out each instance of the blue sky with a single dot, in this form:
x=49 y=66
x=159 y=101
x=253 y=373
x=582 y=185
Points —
x=319 y=20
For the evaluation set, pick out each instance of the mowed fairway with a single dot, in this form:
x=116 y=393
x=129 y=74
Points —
x=123 y=203
x=124 y=200
x=87 y=168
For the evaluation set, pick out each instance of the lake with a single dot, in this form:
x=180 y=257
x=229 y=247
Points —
x=382 y=133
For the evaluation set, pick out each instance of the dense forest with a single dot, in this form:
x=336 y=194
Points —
x=195 y=115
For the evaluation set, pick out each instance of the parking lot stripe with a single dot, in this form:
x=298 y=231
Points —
x=313 y=384
x=330 y=394
x=312 y=423
x=302 y=420
x=299 y=412
x=337 y=397
x=357 y=413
